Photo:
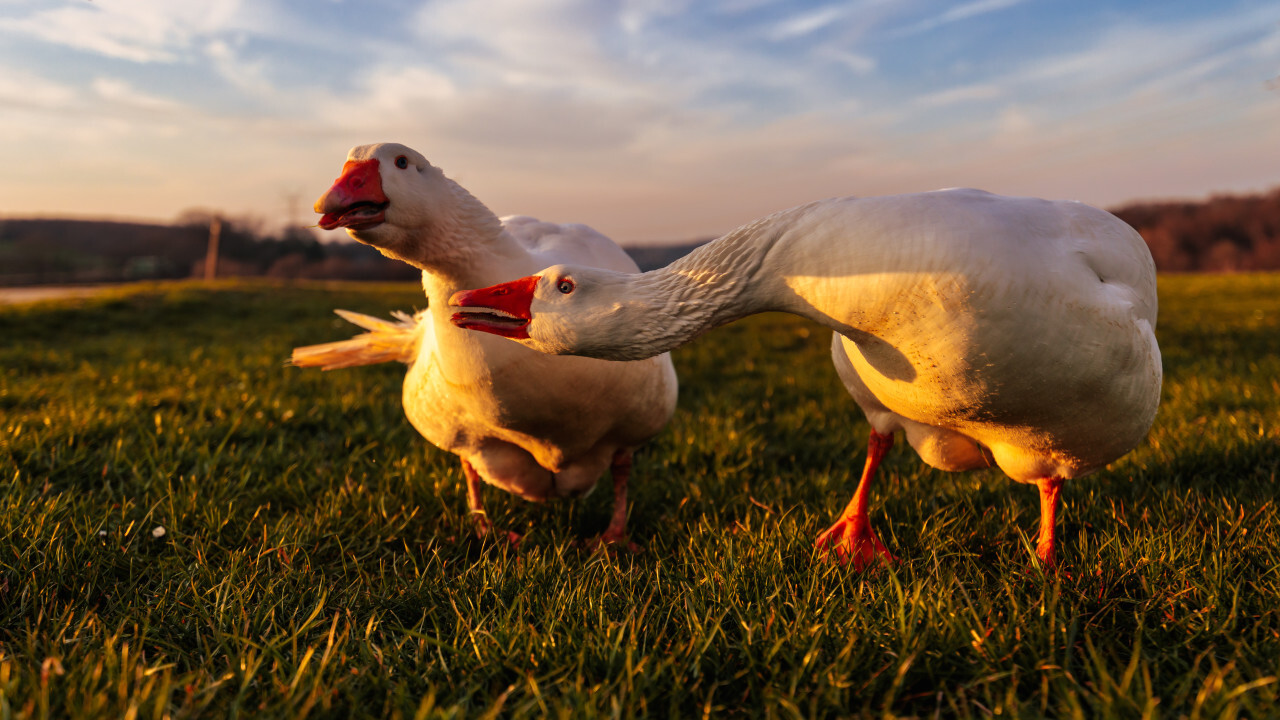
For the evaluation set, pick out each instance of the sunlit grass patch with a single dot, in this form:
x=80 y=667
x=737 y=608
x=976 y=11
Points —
x=317 y=558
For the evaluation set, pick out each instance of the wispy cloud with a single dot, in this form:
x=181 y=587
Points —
x=859 y=64
x=20 y=89
x=807 y=23
x=137 y=30
x=973 y=9
x=120 y=92
x=956 y=14
x=554 y=44
x=1169 y=59
x=952 y=96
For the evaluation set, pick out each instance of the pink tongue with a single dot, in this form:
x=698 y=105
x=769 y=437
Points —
x=330 y=220
x=347 y=217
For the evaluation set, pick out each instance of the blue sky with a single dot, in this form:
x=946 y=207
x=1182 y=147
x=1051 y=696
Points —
x=651 y=120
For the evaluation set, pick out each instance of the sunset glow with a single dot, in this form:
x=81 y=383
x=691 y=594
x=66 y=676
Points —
x=652 y=121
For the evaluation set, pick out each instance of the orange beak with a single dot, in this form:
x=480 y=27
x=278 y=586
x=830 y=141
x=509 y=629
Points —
x=356 y=200
x=499 y=309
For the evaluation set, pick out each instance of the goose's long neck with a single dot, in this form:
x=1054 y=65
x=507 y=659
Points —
x=715 y=284
x=470 y=237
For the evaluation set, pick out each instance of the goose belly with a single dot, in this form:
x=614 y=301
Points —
x=1047 y=404
x=540 y=425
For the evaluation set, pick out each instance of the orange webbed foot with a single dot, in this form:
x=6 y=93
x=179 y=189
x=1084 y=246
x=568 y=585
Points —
x=855 y=544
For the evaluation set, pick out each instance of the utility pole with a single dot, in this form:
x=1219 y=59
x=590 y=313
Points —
x=211 y=257
x=292 y=202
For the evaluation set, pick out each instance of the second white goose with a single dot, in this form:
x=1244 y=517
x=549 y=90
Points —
x=990 y=330
x=533 y=425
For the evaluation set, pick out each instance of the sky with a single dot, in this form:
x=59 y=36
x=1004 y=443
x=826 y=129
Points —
x=650 y=120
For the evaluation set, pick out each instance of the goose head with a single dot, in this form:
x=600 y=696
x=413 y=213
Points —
x=563 y=310
x=388 y=196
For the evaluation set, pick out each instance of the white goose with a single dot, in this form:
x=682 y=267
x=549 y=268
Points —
x=990 y=330
x=532 y=424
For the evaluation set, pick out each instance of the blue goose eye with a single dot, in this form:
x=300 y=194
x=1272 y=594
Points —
x=402 y=162
x=565 y=286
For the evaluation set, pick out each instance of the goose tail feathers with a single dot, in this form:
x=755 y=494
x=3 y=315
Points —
x=387 y=340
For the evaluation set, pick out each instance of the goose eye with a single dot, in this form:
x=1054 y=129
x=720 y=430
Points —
x=565 y=286
x=402 y=162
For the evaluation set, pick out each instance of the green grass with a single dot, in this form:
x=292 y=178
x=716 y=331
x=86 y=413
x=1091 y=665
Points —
x=317 y=560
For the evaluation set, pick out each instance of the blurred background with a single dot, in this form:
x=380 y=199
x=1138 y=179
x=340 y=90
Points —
x=131 y=126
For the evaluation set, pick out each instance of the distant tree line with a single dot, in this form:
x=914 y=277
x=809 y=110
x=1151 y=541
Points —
x=1224 y=233
x=88 y=251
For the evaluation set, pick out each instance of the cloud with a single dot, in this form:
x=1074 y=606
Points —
x=956 y=14
x=518 y=43
x=649 y=118
x=1132 y=57
x=637 y=15
x=807 y=23
x=1014 y=127
x=1125 y=76
x=249 y=77
x=419 y=102
x=23 y=90
x=141 y=31
x=860 y=65
x=121 y=93
x=955 y=95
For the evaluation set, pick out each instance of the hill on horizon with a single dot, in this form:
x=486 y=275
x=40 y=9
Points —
x=1223 y=233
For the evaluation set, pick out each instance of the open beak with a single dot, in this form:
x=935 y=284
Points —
x=499 y=309
x=356 y=200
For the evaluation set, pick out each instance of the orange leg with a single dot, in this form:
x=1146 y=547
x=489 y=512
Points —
x=616 y=533
x=851 y=536
x=1046 y=543
x=483 y=525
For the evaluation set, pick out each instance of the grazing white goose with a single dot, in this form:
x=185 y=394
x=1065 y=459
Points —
x=532 y=424
x=991 y=330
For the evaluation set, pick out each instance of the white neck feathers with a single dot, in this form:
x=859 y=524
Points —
x=714 y=285
x=466 y=234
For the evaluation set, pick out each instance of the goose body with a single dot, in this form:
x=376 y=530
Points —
x=990 y=330
x=535 y=425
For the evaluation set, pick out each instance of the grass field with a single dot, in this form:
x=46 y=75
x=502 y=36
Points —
x=316 y=558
